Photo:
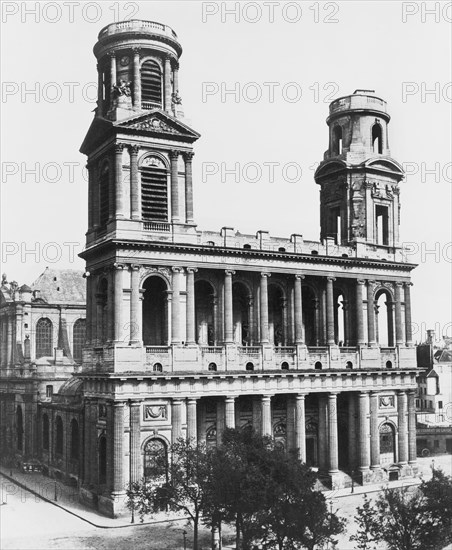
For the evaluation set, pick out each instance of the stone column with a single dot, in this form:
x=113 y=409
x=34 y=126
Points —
x=190 y=317
x=118 y=447
x=188 y=187
x=215 y=320
x=135 y=188
x=291 y=440
x=333 y=454
x=119 y=191
x=136 y=79
x=402 y=428
x=228 y=325
x=374 y=432
x=411 y=427
x=135 y=336
x=175 y=217
x=266 y=415
x=330 y=336
x=252 y=329
x=390 y=313
x=298 y=310
x=91 y=187
x=110 y=316
x=168 y=89
x=264 y=308
x=323 y=438
x=351 y=431
x=100 y=91
x=118 y=292
x=408 y=326
x=316 y=321
x=221 y=421
x=230 y=412
x=112 y=69
x=398 y=314
x=135 y=435
x=175 y=308
x=201 y=422
x=176 y=420
x=300 y=426
x=370 y=313
x=364 y=451
x=111 y=187
x=191 y=421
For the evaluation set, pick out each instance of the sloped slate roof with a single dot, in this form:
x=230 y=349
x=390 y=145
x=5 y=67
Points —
x=61 y=286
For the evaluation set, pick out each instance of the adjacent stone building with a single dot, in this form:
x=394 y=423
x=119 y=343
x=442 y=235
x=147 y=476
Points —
x=42 y=333
x=192 y=331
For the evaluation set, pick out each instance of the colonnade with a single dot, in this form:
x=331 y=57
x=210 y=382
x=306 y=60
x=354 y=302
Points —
x=364 y=417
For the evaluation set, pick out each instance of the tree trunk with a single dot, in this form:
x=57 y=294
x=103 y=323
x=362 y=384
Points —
x=237 y=532
x=195 y=532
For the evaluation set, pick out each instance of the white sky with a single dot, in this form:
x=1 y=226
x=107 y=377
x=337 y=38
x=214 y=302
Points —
x=368 y=47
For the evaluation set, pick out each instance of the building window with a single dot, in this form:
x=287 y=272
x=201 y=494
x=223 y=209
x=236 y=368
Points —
x=337 y=140
x=349 y=365
x=49 y=391
x=104 y=195
x=318 y=365
x=440 y=404
x=157 y=367
x=75 y=440
x=154 y=190
x=377 y=138
x=212 y=366
x=284 y=365
x=382 y=224
x=78 y=339
x=436 y=444
x=151 y=85
x=45 y=432
x=389 y=364
x=249 y=366
x=154 y=450
x=44 y=337
x=58 y=436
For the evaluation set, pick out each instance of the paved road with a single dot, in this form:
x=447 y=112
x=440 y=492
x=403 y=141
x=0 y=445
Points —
x=29 y=523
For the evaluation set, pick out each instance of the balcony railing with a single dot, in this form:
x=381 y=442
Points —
x=212 y=349
x=387 y=350
x=157 y=226
x=347 y=349
x=150 y=105
x=250 y=350
x=282 y=350
x=157 y=349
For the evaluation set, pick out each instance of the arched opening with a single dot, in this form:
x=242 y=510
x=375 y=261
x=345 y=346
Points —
x=155 y=452
x=45 y=432
x=249 y=366
x=309 y=316
x=102 y=460
x=157 y=367
x=240 y=309
x=154 y=190
x=349 y=365
x=75 y=440
x=19 y=428
x=151 y=85
x=389 y=364
x=204 y=314
x=377 y=138
x=318 y=365
x=337 y=140
x=155 y=316
x=58 y=436
x=387 y=444
x=284 y=365
x=44 y=338
x=212 y=366
x=339 y=319
x=384 y=319
x=78 y=339
x=104 y=195
x=276 y=316
x=102 y=303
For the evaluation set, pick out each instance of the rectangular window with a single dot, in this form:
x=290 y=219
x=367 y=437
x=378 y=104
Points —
x=440 y=404
x=154 y=194
x=49 y=391
x=382 y=224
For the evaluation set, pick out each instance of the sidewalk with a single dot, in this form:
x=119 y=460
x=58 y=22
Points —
x=67 y=497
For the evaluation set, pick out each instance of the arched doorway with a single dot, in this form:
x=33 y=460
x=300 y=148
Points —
x=387 y=444
x=204 y=313
x=240 y=308
x=155 y=316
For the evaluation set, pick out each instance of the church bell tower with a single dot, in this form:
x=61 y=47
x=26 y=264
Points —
x=359 y=181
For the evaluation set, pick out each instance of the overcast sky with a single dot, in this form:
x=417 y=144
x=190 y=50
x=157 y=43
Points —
x=310 y=52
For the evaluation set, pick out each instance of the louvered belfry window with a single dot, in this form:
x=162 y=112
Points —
x=104 y=195
x=154 y=190
x=151 y=84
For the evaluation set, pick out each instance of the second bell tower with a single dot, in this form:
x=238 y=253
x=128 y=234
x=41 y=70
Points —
x=358 y=178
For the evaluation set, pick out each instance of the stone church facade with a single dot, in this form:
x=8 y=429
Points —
x=191 y=331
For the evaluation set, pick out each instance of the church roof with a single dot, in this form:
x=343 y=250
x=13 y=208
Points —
x=61 y=286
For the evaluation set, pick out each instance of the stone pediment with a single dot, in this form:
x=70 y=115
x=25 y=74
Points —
x=385 y=164
x=159 y=122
